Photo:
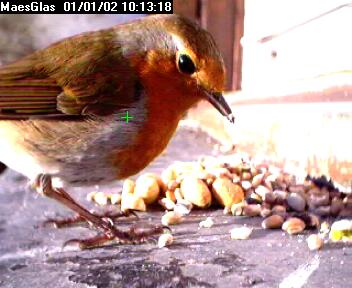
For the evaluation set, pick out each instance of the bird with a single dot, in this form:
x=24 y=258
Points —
x=61 y=107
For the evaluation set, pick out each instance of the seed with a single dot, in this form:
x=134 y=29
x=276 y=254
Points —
x=241 y=233
x=147 y=188
x=269 y=198
x=252 y=210
x=165 y=240
x=171 y=218
x=336 y=206
x=273 y=222
x=185 y=202
x=254 y=171
x=341 y=230
x=272 y=178
x=311 y=220
x=172 y=185
x=182 y=209
x=268 y=184
x=265 y=212
x=237 y=209
x=207 y=223
x=257 y=180
x=314 y=191
x=170 y=195
x=178 y=194
x=253 y=198
x=168 y=175
x=281 y=195
x=279 y=209
x=315 y=242
x=236 y=179
x=101 y=198
x=236 y=161
x=296 y=202
x=128 y=187
x=289 y=179
x=115 y=198
x=262 y=191
x=346 y=212
x=211 y=162
x=293 y=226
x=132 y=202
x=246 y=176
x=324 y=228
x=296 y=189
x=314 y=221
x=167 y=204
x=187 y=168
x=196 y=191
x=266 y=206
x=348 y=201
x=321 y=210
x=246 y=185
x=159 y=180
x=316 y=200
x=226 y=192
x=206 y=176
x=220 y=172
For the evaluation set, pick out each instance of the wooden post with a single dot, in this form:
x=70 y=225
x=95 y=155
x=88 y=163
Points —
x=218 y=18
x=187 y=8
x=237 y=47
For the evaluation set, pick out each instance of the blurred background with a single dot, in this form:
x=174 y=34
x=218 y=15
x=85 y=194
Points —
x=289 y=80
x=289 y=74
x=22 y=34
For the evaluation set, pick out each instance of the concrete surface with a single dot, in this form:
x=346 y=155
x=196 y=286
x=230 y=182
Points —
x=31 y=256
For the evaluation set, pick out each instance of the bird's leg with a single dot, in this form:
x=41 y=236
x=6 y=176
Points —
x=44 y=187
x=110 y=233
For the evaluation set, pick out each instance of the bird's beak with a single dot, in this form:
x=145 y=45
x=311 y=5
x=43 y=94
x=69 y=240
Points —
x=219 y=102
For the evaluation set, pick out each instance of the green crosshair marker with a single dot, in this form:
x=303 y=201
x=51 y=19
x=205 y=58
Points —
x=127 y=117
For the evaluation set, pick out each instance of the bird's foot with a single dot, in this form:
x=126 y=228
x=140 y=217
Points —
x=44 y=186
x=110 y=216
x=135 y=235
x=105 y=225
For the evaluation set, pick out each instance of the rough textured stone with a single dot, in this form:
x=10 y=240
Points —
x=296 y=202
x=33 y=257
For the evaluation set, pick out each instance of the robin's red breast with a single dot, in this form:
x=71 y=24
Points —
x=63 y=109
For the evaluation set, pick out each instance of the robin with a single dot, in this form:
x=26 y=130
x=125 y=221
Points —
x=61 y=107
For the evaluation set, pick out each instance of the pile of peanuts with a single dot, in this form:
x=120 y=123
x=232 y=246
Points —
x=241 y=187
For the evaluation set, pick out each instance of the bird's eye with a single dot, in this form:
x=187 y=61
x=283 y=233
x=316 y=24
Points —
x=186 y=65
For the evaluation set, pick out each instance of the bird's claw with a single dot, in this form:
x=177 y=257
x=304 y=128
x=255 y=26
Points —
x=133 y=236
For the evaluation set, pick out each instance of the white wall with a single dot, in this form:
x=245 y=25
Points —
x=320 y=47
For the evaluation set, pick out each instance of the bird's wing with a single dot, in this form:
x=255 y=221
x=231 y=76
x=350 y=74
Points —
x=82 y=75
